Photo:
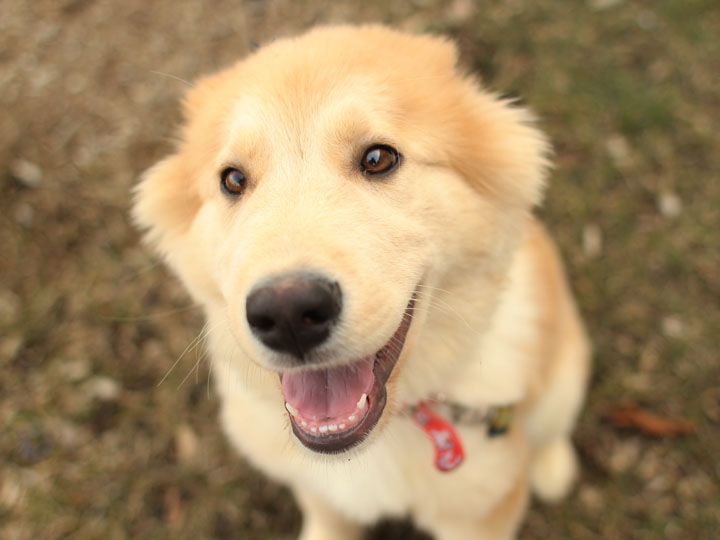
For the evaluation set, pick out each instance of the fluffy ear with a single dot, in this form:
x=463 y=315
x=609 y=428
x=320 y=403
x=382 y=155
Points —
x=165 y=202
x=500 y=150
x=490 y=141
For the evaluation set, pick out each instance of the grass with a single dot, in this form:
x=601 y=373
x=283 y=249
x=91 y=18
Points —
x=628 y=92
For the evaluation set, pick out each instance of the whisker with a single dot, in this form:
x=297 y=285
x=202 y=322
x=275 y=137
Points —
x=195 y=368
x=209 y=374
x=433 y=288
x=140 y=271
x=172 y=77
x=151 y=316
x=431 y=303
x=193 y=344
x=448 y=309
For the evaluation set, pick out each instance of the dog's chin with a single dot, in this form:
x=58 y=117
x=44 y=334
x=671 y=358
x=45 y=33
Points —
x=335 y=409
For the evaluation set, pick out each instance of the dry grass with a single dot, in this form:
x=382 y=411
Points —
x=92 y=447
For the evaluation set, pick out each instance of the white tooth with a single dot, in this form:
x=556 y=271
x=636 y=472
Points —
x=352 y=418
x=323 y=429
x=342 y=426
x=292 y=410
x=313 y=429
x=362 y=402
x=332 y=427
x=303 y=423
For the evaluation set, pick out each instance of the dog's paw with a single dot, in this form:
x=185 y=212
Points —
x=553 y=470
x=353 y=534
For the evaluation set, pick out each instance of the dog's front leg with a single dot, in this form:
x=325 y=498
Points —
x=321 y=522
x=501 y=523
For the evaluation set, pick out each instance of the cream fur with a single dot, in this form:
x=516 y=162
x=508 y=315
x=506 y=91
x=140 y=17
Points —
x=494 y=322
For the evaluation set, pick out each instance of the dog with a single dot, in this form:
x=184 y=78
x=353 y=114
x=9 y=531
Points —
x=391 y=328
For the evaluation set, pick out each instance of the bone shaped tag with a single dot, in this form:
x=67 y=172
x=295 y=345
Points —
x=449 y=453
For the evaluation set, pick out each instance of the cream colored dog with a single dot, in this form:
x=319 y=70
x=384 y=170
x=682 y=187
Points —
x=391 y=329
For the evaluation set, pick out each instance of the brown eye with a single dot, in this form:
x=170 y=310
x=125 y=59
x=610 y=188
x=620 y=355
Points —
x=233 y=181
x=379 y=159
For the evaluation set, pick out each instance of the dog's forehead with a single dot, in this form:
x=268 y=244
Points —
x=282 y=115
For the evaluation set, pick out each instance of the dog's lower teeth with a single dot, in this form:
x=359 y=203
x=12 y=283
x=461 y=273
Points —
x=292 y=410
x=314 y=425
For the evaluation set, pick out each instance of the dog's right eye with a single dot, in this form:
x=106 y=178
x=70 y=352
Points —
x=379 y=159
x=233 y=181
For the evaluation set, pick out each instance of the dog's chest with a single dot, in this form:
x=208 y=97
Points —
x=396 y=476
x=393 y=477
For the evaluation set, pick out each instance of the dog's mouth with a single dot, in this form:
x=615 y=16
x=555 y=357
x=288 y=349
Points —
x=331 y=410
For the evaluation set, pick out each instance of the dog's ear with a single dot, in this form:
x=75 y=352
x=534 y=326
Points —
x=168 y=197
x=165 y=201
x=490 y=141
x=499 y=150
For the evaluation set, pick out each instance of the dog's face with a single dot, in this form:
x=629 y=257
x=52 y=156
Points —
x=325 y=192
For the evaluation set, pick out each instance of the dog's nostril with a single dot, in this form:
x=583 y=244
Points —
x=314 y=317
x=294 y=313
x=262 y=323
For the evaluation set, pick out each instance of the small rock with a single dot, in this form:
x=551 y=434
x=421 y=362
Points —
x=639 y=382
x=650 y=465
x=649 y=358
x=10 y=491
x=24 y=215
x=669 y=204
x=592 y=240
x=68 y=434
x=618 y=149
x=672 y=327
x=9 y=306
x=186 y=445
x=460 y=10
x=591 y=497
x=102 y=388
x=696 y=486
x=624 y=456
x=599 y=5
x=75 y=370
x=9 y=346
x=660 y=483
x=27 y=172
x=647 y=20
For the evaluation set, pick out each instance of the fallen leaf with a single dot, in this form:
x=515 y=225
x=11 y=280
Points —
x=648 y=423
x=173 y=508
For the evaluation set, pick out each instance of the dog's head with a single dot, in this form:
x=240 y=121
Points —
x=326 y=193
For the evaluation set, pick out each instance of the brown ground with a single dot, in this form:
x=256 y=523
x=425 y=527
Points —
x=92 y=447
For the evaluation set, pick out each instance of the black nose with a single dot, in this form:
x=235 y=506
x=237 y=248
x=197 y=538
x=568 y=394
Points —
x=294 y=313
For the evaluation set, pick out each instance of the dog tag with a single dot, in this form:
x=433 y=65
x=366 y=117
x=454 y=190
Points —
x=449 y=452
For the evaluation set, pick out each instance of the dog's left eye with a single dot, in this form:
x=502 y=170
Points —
x=379 y=159
x=233 y=181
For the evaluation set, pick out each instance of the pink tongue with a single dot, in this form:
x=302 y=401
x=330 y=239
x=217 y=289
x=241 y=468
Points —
x=328 y=393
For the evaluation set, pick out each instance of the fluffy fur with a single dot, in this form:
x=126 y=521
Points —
x=494 y=321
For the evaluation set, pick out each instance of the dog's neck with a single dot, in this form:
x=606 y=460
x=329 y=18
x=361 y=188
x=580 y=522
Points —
x=445 y=439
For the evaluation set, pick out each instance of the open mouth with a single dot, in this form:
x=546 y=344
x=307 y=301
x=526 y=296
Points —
x=331 y=410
